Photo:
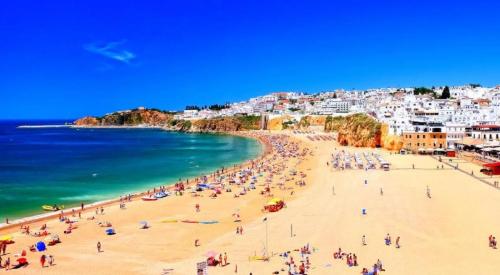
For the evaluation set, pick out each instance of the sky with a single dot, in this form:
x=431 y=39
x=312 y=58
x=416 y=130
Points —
x=69 y=59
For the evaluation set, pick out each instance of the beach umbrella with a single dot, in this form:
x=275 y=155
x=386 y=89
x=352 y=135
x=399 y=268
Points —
x=274 y=201
x=6 y=238
x=110 y=231
x=22 y=260
x=40 y=246
x=211 y=253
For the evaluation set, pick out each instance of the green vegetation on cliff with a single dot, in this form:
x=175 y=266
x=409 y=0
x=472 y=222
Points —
x=227 y=124
x=128 y=118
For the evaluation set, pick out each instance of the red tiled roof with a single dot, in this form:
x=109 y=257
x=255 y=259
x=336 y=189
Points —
x=486 y=126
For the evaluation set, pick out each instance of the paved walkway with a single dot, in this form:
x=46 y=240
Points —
x=470 y=169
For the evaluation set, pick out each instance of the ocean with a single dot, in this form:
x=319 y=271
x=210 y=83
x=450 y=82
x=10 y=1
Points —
x=68 y=166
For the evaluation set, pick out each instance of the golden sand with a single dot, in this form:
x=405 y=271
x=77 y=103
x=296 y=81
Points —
x=447 y=234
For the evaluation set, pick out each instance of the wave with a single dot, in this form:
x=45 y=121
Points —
x=89 y=197
x=43 y=126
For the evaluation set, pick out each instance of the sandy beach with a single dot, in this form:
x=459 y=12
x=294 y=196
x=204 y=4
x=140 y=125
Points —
x=445 y=234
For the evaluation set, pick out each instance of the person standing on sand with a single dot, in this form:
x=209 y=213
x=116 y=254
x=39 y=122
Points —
x=388 y=239
x=363 y=240
x=51 y=260
x=381 y=191
x=220 y=259
x=42 y=260
x=397 y=242
x=428 y=192
x=99 y=247
x=225 y=259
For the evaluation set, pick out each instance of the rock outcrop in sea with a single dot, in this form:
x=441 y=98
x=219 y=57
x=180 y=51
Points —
x=135 y=117
x=157 y=118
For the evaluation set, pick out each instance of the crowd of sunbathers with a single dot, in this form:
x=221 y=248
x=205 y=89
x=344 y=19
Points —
x=305 y=263
x=351 y=258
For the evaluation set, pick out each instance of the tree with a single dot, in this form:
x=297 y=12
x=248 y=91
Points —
x=446 y=93
x=423 y=91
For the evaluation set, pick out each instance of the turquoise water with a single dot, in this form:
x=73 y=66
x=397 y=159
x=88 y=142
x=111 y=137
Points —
x=69 y=166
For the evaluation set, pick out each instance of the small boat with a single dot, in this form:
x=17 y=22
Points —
x=169 y=221
x=52 y=207
x=162 y=194
x=208 y=222
x=149 y=198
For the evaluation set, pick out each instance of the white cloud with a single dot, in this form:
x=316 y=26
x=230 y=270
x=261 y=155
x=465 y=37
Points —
x=111 y=50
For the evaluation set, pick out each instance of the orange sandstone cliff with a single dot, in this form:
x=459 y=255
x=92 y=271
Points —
x=359 y=130
x=390 y=142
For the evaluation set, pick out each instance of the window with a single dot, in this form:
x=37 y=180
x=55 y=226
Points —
x=423 y=136
x=418 y=143
x=440 y=145
x=418 y=136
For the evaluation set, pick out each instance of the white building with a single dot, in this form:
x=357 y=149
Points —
x=331 y=106
x=454 y=133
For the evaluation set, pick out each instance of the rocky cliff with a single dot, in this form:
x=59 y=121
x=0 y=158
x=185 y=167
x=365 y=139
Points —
x=357 y=130
x=226 y=124
x=88 y=121
x=153 y=117
x=390 y=142
x=150 y=117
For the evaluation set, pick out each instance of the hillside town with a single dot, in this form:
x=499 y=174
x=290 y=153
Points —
x=425 y=119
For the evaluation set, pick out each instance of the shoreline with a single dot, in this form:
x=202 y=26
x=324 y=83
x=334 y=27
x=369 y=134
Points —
x=330 y=199
x=27 y=220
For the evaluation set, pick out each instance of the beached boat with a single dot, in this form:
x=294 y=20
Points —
x=52 y=207
x=209 y=222
x=149 y=198
x=162 y=194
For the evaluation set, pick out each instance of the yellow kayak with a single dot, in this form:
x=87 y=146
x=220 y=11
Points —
x=52 y=207
x=258 y=258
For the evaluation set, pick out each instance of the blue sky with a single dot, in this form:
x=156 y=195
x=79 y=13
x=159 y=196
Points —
x=73 y=58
